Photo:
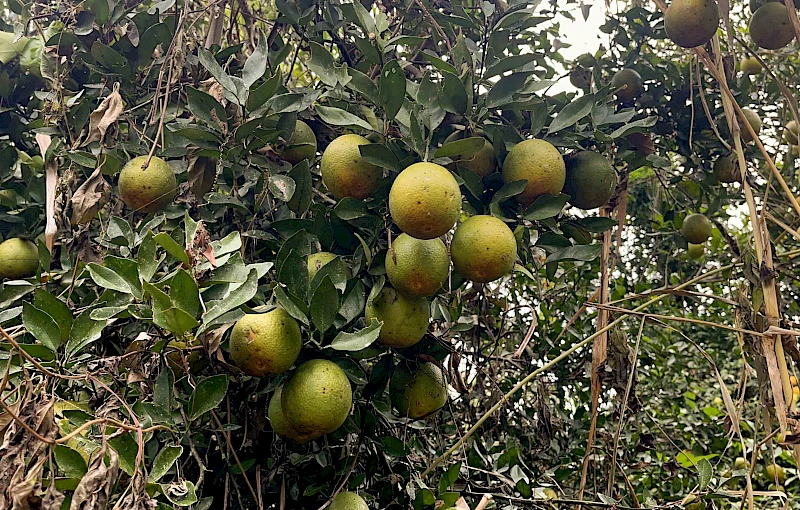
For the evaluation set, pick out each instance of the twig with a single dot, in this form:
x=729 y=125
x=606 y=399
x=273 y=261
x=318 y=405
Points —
x=435 y=24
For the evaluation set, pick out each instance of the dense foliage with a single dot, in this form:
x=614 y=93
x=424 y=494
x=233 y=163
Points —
x=118 y=387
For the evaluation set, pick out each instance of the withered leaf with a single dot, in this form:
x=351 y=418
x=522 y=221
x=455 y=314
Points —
x=89 y=198
x=106 y=114
x=51 y=181
x=95 y=487
x=202 y=175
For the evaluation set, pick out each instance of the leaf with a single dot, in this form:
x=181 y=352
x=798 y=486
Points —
x=282 y=187
x=180 y=493
x=358 y=340
x=89 y=198
x=503 y=91
x=56 y=309
x=362 y=84
x=572 y=113
x=449 y=477
x=583 y=253
x=207 y=395
x=42 y=326
x=256 y=65
x=110 y=59
x=106 y=114
x=85 y=330
x=234 y=299
x=172 y=247
x=510 y=189
x=596 y=225
x=546 y=206
x=70 y=461
x=463 y=147
x=107 y=278
x=511 y=63
x=290 y=306
x=324 y=304
x=392 y=88
x=146 y=258
x=202 y=175
x=323 y=65
x=210 y=63
x=164 y=461
x=184 y=293
x=453 y=95
x=206 y=108
x=380 y=155
x=263 y=92
x=635 y=126
x=339 y=117
x=704 y=472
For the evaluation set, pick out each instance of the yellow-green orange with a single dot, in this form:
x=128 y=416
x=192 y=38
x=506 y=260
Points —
x=405 y=319
x=279 y=423
x=417 y=267
x=739 y=463
x=628 y=84
x=774 y=472
x=483 y=249
x=348 y=501
x=317 y=398
x=19 y=258
x=419 y=393
x=750 y=65
x=691 y=23
x=726 y=168
x=147 y=189
x=696 y=250
x=538 y=162
x=770 y=26
x=755 y=122
x=591 y=180
x=790 y=133
x=344 y=172
x=425 y=200
x=265 y=343
x=178 y=358
x=302 y=145
x=482 y=162
x=696 y=228
x=316 y=261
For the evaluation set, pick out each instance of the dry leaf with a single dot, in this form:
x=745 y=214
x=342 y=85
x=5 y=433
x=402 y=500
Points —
x=90 y=197
x=106 y=114
x=52 y=498
x=51 y=168
x=137 y=498
x=212 y=87
x=202 y=175
x=94 y=488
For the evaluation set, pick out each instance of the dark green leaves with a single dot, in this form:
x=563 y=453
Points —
x=546 y=206
x=42 y=326
x=207 y=395
x=339 y=117
x=572 y=113
x=358 y=340
x=164 y=461
x=70 y=461
x=463 y=147
x=324 y=304
x=584 y=253
x=322 y=64
x=453 y=95
x=392 y=88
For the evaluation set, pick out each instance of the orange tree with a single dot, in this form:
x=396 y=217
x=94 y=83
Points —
x=228 y=232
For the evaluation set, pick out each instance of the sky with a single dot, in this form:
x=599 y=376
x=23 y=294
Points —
x=584 y=36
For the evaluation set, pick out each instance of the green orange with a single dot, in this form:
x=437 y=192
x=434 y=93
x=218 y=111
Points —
x=265 y=343
x=538 y=162
x=417 y=267
x=344 y=172
x=483 y=249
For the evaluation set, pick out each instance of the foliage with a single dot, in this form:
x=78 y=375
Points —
x=86 y=340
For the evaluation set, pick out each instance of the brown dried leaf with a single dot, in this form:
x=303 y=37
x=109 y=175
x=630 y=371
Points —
x=106 y=114
x=90 y=197
x=212 y=87
x=50 y=229
x=94 y=488
x=52 y=498
x=137 y=498
x=202 y=175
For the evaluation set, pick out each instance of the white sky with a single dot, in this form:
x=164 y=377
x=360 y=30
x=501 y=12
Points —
x=582 y=36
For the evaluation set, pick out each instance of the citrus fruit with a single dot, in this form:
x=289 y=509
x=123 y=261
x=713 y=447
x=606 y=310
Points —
x=483 y=249
x=790 y=133
x=178 y=359
x=696 y=250
x=755 y=122
x=726 y=168
x=147 y=189
x=696 y=228
x=279 y=424
x=265 y=343
x=538 y=162
x=631 y=81
x=591 y=180
x=348 y=501
x=19 y=258
x=549 y=493
x=739 y=463
x=302 y=145
x=691 y=23
x=425 y=200
x=580 y=77
x=405 y=319
x=317 y=398
x=316 y=261
x=482 y=162
x=774 y=472
x=750 y=65
x=770 y=26
x=417 y=267
x=419 y=393
x=344 y=172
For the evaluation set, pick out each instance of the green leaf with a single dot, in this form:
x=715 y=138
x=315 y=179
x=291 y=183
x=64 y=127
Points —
x=289 y=305
x=397 y=448
x=463 y=147
x=282 y=187
x=146 y=259
x=162 y=394
x=207 y=395
x=635 y=126
x=171 y=246
x=85 y=330
x=181 y=494
x=546 y=206
x=206 y=108
x=392 y=88
x=70 y=461
x=509 y=190
x=596 y=225
x=322 y=64
x=362 y=84
x=42 y=326
x=380 y=155
x=110 y=59
x=449 y=477
x=256 y=64
x=503 y=91
x=174 y=320
x=56 y=309
x=164 y=461
x=128 y=270
x=511 y=63
x=582 y=252
x=572 y=113
x=210 y=63
x=263 y=92
x=339 y=117
x=108 y=279
x=184 y=293
x=126 y=447
x=11 y=313
x=358 y=340
x=236 y=298
x=704 y=473
x=453 y=95
x=324 y=304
